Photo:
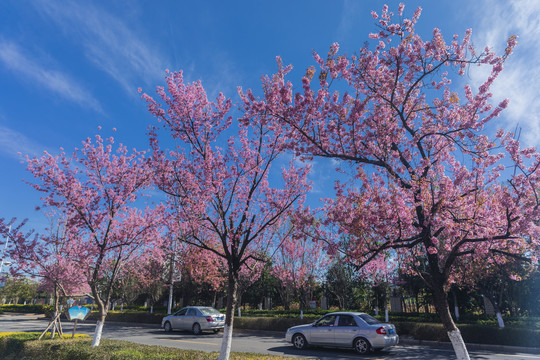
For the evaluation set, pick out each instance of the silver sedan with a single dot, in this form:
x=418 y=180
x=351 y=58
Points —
x=194 y=318
x=358 y=330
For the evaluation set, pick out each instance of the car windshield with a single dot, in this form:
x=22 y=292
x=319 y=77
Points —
x=209 y=311
x=369 y=319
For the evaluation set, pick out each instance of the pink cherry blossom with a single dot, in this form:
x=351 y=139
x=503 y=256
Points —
x=429 y=181
x=95 y=190
x=216 y=174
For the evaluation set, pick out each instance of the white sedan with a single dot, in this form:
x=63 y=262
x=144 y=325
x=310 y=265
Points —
x=356 y=330
x=194 y=318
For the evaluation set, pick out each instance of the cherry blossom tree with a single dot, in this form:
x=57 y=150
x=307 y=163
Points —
x=298 y=263
x=218 y=175
x=151 y=278
x=429 y=178
x=45 y=257
x=96 y=189
x=205 y=267
x=492 y=275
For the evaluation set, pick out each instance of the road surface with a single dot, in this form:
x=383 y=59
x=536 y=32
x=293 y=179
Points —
x=244 y=341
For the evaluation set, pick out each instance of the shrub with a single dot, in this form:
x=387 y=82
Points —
x=134 y=317
x=314 y=313
x=268 y=323
x=502 y=336
x=19 y=308
x=473 y=333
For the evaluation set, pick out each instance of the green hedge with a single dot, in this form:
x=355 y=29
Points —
x=134 y=317
x=268 y=323
x=37 y=309
x=316 y=313
x=473 y=334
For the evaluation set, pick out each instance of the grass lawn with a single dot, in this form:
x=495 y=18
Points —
x=20 y=345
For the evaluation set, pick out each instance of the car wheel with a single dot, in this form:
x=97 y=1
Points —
x=299 y=341
x=167 y=326
x=361 y=345
x=196 y=329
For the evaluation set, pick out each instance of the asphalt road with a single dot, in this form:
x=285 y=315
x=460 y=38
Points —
x=244 y=341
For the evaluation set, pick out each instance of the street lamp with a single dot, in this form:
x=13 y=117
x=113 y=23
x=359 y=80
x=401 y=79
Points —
x=7 y=263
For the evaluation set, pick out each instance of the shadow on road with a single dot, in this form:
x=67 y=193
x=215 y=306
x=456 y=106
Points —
x=397 y=352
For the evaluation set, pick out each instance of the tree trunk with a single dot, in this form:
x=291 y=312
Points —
x=169 y=304
x=443 y=309
x=456 y=308
x=99 y=326
x=171 y=285
x=385 y=307
x=341 y=302
x=500 y=319
x=499 y=303
x=103 y=308
x=56 y=308
x=229 y=319
x=497 y=310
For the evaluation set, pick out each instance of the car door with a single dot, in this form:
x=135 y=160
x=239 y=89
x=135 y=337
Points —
x=189 y=319
x=345 y=330
x=322 y=332
x=176 y=320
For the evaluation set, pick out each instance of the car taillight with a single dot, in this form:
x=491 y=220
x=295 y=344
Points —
x=209 y=319
x=381 y=331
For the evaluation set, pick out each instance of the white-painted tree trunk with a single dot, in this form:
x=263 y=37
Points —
x=239 y=312
x=301 y=314
x=97 y=334
x=385 y=315
x=169 y=305
x=500 y=319
x=226 y=343
x=171 y=285
x=456 y=307
x=459 y=345
x=376 y=310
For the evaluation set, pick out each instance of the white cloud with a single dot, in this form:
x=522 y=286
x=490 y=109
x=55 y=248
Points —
x=518 y=82
x=349 y=16
x=21 y=64
x=108 y=42
x=13 y=142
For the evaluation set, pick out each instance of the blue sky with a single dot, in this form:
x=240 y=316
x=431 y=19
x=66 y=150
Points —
x=67 y=67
